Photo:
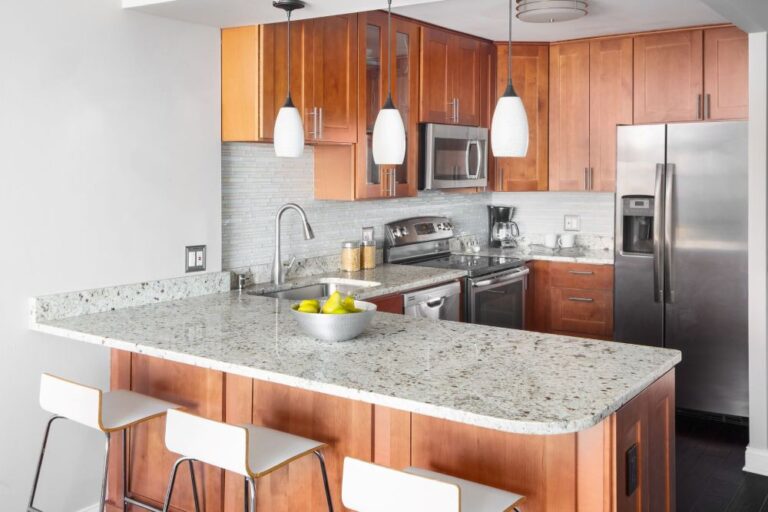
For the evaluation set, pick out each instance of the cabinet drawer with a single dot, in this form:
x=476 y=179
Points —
x=582 y=276
x=582 y=311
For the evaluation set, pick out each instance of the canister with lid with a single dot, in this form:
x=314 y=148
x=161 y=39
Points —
x=350 y=256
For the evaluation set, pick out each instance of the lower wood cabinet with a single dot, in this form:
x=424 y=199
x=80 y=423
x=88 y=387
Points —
x=389 y=303
x=571 y=298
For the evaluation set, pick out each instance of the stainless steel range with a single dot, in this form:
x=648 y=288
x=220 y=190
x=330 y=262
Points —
x=495 y=286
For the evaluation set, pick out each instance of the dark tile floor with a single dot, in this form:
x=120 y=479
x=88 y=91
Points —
x=710 y=458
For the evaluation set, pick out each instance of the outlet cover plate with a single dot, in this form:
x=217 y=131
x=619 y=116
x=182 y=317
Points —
x=572 y=223
x=195 y=258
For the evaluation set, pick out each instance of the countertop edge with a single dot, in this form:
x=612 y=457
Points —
x=440 y=412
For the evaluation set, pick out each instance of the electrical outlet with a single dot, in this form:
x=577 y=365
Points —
x=195 y=258
x=572 y=223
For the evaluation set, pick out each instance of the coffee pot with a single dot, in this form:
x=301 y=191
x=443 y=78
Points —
x=502 y=230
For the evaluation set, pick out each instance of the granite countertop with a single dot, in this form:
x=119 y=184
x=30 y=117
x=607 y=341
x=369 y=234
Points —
x=508 y=380
x=391 y=279
x=587 y=256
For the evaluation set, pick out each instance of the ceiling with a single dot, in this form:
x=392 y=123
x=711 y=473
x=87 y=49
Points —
x=484 y=18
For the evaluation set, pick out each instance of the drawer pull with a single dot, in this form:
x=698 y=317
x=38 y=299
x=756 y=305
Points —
x=581 y=299
x=581 y=272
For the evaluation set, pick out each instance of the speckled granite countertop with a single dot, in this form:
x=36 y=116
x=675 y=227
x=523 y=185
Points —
x=587 y=256
x=512 y=381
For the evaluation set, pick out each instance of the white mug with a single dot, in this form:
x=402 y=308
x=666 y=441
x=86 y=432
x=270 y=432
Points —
x=567 y=240
x=550 y=241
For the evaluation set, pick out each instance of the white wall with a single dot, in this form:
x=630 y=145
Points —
x=109 y=165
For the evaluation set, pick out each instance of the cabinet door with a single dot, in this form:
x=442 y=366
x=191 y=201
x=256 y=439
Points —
x=610 y=91
x=576 y=311
x=240 y=84
x=274 y=73
x=389 y=303
x=371 y=180
x=465 y=71
x=569 y=116
x=435 y=91
x=726 y=73
x=668 y=77
x=530 y=76
x=334 y=79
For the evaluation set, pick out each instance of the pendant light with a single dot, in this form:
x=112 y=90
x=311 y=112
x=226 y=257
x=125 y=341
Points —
x=509 y=128
x=389 y=131
x=289 y=130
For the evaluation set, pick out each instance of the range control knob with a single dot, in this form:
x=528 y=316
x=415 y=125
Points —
x=404 y=231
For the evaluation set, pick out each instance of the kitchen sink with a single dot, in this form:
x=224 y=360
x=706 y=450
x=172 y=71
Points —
x=323 y=288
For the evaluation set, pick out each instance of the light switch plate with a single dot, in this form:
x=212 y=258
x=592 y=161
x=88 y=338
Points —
x=572 y=223
x=195 y=258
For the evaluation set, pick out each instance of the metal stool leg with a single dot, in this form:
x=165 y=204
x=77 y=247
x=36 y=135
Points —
x=194 y=485
x=172 y=482
x=103 y=502
x=31 y=506
x=320 y=458
x=250 y=490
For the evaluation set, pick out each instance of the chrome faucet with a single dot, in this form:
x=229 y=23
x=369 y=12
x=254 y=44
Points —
x=278 y=270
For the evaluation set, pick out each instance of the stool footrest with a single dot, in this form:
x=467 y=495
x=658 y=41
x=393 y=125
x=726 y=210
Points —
x=33 y=509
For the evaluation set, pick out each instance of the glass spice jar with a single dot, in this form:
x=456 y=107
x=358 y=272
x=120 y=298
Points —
x=350 y=256
x=368 y=254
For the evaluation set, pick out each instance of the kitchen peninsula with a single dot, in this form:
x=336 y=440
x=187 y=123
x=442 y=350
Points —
x=572 y=424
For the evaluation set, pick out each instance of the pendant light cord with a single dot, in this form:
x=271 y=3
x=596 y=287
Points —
x=389 y=47
x=509 y=47
x=289 y=54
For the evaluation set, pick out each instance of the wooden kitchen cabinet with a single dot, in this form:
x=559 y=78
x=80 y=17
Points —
x=389 y=303
x=450 y=87
x=324 y=79
x=571 y=298
x=530 y=77
x=669 y=76
x=726 y=74
x=569 y=116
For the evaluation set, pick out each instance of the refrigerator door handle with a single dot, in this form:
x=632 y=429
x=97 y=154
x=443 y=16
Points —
x=669 y=193
x=658 y=223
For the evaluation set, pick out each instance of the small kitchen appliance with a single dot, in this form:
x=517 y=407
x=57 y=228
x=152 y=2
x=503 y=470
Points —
x=495 y=285
x=453 y=157
x=502 y=230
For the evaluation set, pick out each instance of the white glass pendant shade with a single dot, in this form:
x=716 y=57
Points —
x=509 y=127
x=389 y=136
x=289 y=132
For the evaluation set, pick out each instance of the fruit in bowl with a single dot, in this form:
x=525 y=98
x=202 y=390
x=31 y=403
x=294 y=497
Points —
x=337 y=319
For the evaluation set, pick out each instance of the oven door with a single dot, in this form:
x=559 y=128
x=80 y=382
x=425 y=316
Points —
x=454 y=157
x=499 y=300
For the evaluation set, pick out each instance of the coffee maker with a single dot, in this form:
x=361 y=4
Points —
x=502 y=230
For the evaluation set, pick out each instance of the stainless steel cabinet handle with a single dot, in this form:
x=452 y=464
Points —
x=586 y=178
x=658 y=247
x=581 y=299
x=458 y=109
x=452 y=117
x=393 y=181
x=669 y=210
x=581 y=272
x=700 y=107
x=591 y=178
x=313 y=132
x=320 y=123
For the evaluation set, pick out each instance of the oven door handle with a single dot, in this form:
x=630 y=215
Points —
x=502 y=280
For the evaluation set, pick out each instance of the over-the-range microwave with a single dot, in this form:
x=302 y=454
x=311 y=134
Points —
x=453 y=156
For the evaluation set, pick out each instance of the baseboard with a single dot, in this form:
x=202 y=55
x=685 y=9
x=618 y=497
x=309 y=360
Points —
x=90 y=508
x=756 y=461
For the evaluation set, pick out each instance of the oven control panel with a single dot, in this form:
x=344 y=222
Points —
x=418 y=229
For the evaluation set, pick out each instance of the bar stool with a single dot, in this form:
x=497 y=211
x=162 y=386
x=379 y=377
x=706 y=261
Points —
x=368 y=487
x=247 y=450
x=108 y=412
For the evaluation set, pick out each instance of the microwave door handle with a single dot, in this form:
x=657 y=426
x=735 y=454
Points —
x=466 y=159
x=658 y=223
x=471 y=143
x=479 y=167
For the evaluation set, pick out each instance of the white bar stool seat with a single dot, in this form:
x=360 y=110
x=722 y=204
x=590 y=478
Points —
x=248 y=450
x=368 y=487
x=108 y=412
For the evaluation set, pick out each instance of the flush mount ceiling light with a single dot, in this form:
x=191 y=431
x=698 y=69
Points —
x=289 y=130
x=389 y=131
x=509 y=127
x=550 y=11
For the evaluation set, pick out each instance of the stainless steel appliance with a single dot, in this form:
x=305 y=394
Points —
x=502 y=230
x=439 y=303
x=681 y=254
x=494 y=287
x=453 y=157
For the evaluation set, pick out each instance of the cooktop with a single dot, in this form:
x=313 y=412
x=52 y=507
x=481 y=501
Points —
x=474 y=265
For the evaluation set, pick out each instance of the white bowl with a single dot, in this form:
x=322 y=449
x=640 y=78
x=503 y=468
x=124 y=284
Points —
x=336 y=327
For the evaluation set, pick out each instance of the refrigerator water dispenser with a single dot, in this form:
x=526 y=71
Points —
x=637 y=217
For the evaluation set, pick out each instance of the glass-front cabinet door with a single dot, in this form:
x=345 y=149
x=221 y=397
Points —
x=375 y=181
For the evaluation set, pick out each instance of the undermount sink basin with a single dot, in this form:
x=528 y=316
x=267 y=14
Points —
x=323 y=288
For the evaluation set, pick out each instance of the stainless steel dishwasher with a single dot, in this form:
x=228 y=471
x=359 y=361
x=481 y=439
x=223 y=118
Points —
x=439 y=303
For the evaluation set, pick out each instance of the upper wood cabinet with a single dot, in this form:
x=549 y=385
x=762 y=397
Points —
x=669 y=77
x=569 y=116
x=726 y=73
x=590 y=94
x=323 y=73
x=530 y=77
x=450 y=90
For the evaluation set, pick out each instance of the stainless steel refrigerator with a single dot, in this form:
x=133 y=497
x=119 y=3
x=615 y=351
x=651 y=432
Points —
x=681 y=254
